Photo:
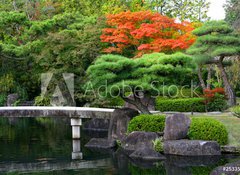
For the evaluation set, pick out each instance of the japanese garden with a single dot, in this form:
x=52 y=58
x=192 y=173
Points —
x=138 y=87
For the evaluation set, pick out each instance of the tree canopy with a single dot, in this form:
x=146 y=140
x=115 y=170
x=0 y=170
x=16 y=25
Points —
x=146 y=32
x=146 y=75
x=216 y=41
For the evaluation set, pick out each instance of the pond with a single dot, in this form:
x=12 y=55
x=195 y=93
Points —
x=44 y=146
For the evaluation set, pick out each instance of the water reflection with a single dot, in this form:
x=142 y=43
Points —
x=76 y=153
x=45 y=146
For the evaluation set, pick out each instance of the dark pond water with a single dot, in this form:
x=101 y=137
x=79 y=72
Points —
x=44 y=146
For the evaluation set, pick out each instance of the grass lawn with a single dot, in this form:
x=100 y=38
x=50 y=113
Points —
x=233 y=126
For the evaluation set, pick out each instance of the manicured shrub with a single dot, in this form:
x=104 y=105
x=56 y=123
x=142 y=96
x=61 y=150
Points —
x=208 y=129
x=181 y=105
x=236 y=111
x=217 y=103
x=215 y=99
x=148 y=123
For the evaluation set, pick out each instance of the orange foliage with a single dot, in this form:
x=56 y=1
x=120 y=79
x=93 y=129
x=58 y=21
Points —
x=210 y=94
x=147 y=32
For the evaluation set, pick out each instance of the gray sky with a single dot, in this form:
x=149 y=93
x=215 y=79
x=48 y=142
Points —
x=216 y=10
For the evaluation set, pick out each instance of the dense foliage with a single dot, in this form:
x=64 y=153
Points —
x=138 y=33
x=66 y=43
x=148 y=123
x=232 y=8
x=180 y=104
x=146 y=75
x=208 y=129
x=216 y=41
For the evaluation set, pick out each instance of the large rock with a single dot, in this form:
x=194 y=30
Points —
x=176 y=127
x=139 y=146
x=119 y=122
x=146 y=153
x=11 y=99
x=192 y=148
x=137 y=140
x=96 y=125
x=228 y=169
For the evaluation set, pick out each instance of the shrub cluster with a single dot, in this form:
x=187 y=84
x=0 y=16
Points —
x=217 y=103
x=149 y=123
x=208 y=129
x=215 y=99
x=181 y=104
x=200 y=129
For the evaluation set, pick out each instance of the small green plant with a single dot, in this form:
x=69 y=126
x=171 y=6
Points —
x=208 y=129
x=158 y=144
x=3 y=99
x=42 y=101
x=148 y=123
x=6 y=83
x=16 y=103
x=236 y=111
x=118 y=143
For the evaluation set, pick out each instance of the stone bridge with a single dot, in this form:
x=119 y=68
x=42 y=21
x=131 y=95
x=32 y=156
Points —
x=75 y=113
x=42 y=111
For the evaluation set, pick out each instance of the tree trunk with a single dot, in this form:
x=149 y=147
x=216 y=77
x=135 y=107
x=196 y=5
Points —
x=228 y=89
x=202 y=83
x=136 y=101
x=209 y=77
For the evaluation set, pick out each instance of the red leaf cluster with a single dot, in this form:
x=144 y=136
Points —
x=147 y=32
x=210 y=94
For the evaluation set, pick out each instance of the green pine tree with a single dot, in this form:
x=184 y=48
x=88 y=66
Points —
x=216 y=42
x=143 y=77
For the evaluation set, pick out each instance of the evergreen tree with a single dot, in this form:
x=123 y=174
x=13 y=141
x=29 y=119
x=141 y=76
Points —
x=140 y=78
x=216 y=41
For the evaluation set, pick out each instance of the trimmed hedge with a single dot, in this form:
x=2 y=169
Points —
x=208 y=129
x=149 y=123
x=181 y=105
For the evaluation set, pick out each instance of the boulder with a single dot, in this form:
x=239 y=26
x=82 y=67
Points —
x=138 y=140
x=228 y=169
x=176 y=127
x=11 y=99
x=192 y=148
x=119 y=123
x=230 y=149
x=101 y=143
x=146 y=153
x=96 y=125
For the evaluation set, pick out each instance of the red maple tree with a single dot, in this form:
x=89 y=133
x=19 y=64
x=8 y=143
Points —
x=146 y=32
